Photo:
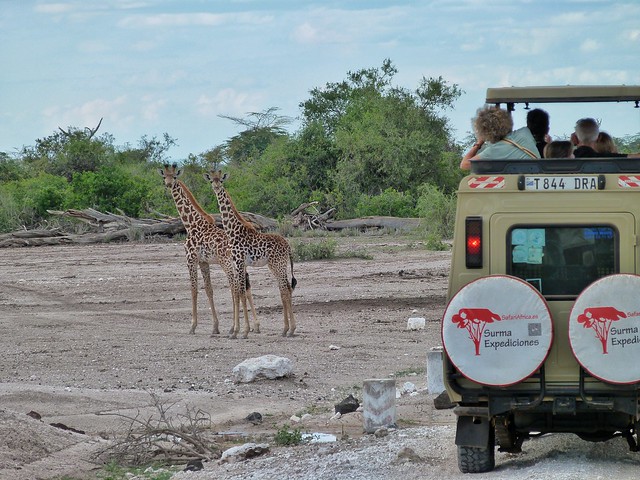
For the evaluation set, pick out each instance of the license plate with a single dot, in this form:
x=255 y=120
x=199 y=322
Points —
x=561 y=183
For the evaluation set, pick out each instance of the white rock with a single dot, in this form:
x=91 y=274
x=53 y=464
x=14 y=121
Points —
x=416 y=323
x=267 y=366
x=295 y=419
x=409 y=387
x=306 y=417
x=241 y=452
x=334 y=347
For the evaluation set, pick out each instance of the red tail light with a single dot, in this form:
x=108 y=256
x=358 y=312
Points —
x=473 y=239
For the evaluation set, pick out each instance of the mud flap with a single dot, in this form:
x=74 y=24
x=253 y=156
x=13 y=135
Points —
x=473 y=432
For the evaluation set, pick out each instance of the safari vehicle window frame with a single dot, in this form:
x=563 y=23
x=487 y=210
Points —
x=540 y=285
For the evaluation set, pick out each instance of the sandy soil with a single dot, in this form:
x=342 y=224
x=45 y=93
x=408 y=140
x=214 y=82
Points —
x=89 y=331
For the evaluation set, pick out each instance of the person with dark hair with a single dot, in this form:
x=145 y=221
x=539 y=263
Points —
x=538 y=123
x=495 y=126
x=559 y=149
x=586 y=137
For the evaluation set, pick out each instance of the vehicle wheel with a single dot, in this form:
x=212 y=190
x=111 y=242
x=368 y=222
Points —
x=477 y=459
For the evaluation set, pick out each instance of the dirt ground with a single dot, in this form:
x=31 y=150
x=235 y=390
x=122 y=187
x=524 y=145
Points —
x=89 y=331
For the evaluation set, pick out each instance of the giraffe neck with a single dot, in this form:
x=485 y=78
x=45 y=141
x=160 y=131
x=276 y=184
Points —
x=191 y=213
x=231 y=219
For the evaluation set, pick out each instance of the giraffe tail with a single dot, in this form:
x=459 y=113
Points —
x=294 y=282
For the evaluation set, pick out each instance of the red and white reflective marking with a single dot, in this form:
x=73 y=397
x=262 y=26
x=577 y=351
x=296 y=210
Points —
x=629 y=181
x=486 y=182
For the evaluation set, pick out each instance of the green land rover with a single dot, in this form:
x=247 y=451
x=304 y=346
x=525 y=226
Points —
x=542 y=327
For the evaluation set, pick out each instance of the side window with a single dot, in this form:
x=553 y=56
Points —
x=560 y=261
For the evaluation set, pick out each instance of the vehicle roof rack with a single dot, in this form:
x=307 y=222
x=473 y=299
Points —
x=554 y=166
x=564 y=94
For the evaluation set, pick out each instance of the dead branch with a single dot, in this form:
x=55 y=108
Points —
x=171 y=438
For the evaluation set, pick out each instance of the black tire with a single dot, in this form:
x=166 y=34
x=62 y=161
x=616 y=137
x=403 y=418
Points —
x=477 y=459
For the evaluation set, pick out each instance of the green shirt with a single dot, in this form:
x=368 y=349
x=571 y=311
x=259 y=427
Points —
x=503 y=150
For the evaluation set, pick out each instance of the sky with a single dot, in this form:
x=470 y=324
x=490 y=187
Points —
x=150 y=67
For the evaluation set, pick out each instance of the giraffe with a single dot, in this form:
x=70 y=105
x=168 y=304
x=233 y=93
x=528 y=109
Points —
x=252 y=248
x=206 y=243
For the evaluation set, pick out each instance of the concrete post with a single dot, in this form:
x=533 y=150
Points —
x=379 y=403
x=435 y=380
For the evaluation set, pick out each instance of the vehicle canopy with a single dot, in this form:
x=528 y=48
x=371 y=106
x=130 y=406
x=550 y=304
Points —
x=564 y=94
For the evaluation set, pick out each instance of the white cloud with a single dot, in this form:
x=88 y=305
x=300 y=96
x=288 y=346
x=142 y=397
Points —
x=227 y=102
x=205 y=19
x=305 y=33
x=589 y=46
x=633 y=35
x=152 y=107
x=115 y=111
x=55 y=8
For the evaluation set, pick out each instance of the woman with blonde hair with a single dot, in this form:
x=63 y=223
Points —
x=605 y=144
x=494 y=126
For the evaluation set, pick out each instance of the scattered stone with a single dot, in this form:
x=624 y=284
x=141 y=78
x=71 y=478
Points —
x=306 y=417
x=254 y=417
x=409 y=387
x=336 y=417
x=194 y=466
x=442 y=401
x=35 y=415
x=294 y=419
x=244 y=452
x=334 y=347
x=416 y=323
x=381 y=432
x=408 y=454
x=267 y=366
x=62 y=426
x=348 y=405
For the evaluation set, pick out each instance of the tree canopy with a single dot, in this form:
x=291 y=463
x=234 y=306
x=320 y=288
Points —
x=365 y=145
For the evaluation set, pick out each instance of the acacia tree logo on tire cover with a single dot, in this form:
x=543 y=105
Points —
x=600 y=320
x=475 y=320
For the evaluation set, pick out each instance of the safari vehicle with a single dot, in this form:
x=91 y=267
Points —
x=542 y=327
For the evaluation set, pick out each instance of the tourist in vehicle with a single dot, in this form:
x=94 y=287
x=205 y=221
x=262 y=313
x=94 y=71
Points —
x=586 y=137
x=559 y=149
x=495 y=126
x=605 y=144
x=538 y=123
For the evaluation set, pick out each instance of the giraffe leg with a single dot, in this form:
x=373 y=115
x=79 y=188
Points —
x=236 y=318
x=247 y=327
x=193 y=275
x=287 y=312
x=206 y=275
x=256 y=321
x=292 y=320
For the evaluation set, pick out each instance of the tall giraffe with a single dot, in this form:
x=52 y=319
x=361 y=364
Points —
x=253 y=248
x=206 y=243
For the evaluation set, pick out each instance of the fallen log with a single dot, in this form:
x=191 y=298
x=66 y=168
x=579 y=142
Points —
x=364 y=223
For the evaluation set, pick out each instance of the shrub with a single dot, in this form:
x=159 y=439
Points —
x=389 y=203
x=438 y=209
x=285 y=437
x=306 y=251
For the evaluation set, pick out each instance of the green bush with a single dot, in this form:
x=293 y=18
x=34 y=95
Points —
x=389 y=203
x=307 y=251
x=285 y=437
x=26 y=201
x=438 y=209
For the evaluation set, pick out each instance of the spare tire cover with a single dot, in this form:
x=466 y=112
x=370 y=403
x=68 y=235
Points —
x=604 y=328
x=497 y=330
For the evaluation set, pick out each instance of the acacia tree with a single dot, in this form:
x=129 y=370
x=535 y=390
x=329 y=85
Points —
x=262 y=128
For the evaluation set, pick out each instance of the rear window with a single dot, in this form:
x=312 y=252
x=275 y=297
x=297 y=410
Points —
x=560 y=261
